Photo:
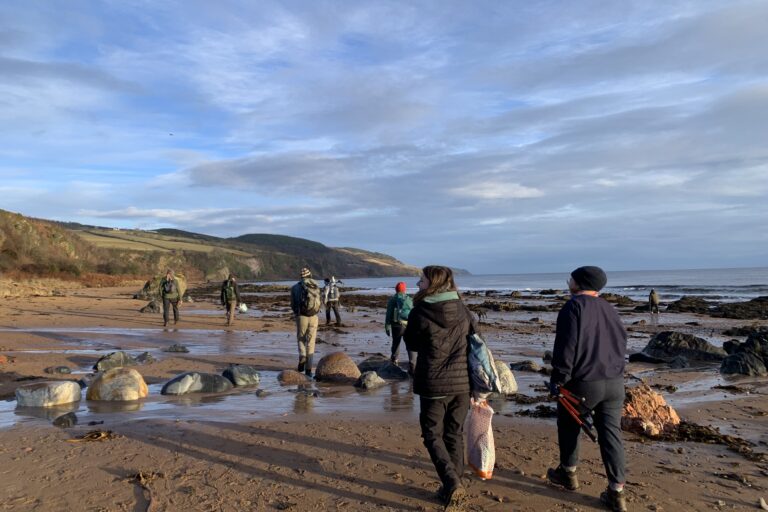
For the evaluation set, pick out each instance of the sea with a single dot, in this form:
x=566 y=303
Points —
x=722 y=284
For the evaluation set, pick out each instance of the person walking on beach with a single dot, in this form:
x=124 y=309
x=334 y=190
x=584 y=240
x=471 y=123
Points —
x=230 y=297
x=305 y=303
x=653 y=306
x=331 y=300
x=169 y=293
x=588 y=361
x=437 y=331
x=399 y=306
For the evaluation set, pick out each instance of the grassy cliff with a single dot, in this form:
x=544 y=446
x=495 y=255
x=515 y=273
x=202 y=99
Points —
x=39 y=247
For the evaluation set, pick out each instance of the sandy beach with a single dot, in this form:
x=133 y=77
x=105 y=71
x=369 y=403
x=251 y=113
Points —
x=326 y=446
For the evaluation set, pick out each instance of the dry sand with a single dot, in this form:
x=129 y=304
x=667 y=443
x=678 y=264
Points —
x=363 y=456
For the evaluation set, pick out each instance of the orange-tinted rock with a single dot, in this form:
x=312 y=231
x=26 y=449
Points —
x=292 y=378
x=337 y=367
x=646 y=412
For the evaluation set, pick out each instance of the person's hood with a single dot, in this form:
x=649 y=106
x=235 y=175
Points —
x=444 y=309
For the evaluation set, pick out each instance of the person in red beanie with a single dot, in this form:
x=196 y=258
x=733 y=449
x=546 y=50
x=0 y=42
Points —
x=398 y=308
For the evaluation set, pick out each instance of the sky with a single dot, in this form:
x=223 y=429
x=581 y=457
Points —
x=499 y=137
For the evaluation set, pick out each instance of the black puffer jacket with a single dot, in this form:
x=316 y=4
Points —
x=437 y=330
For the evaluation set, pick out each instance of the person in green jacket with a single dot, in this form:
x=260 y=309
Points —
x=230 y=297
x=169 y=293
x=398 y=308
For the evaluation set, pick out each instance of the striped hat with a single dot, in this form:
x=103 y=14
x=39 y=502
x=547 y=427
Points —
x=305 y=272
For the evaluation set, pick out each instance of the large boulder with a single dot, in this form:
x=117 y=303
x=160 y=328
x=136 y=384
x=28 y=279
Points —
x=114 y=360
x=151 y=289
x=383 y=367
x=370 y=380
x=755 y=309
x=337 y=367
x=118 y=384
x=195 y=382
x=687 y=304
x=506 y=378
x=647 y=413
x=48 y=393
x=292 y=378
x=525 y=366
x=748 y=358
x=242 y=375
x=669 y=344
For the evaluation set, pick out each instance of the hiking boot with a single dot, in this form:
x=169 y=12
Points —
x=308 y=367
x=559 y=476
x=614 y=500
x=302 y=363
x=454 y=499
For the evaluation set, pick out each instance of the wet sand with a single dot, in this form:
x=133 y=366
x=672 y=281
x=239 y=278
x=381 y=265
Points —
x=326 y=447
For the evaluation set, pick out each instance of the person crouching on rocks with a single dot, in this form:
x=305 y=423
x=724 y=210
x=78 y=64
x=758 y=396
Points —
x=305 y=304
x=399 y=306
x=169 y=293
x=588 y=361
x=230 y=297
x=437 y=331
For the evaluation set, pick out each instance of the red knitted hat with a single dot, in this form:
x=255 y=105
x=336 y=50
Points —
x=400 y=287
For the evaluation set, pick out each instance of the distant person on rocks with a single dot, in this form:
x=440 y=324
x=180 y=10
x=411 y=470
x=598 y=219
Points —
x=169 y=293
x=399 y=306
x=437 y=330
x=306 y=303
x=653 y=303
x=331 y=299
x=588 y=360
x=230 y=297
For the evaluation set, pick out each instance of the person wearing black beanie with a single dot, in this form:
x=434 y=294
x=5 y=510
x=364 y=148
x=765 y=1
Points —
x=588 y=361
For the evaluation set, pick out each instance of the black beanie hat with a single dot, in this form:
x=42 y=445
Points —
x=589 y=278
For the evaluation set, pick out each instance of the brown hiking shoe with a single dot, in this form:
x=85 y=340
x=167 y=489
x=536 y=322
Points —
x=454 y=499
x=559 y=476
x=614 y=500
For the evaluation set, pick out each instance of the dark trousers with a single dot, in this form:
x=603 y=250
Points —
x=332 y=304
x=398 y=330
x=442 y=428
x=166 y=305
x=606 y=399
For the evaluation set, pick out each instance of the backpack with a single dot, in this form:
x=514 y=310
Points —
x=402 y=309
x=310 y=302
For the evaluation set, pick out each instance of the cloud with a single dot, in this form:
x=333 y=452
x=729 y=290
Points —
x=491 y=190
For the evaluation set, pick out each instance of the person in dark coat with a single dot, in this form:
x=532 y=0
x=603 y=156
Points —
x=588 y=360
x=437 y=331
x=230 y=297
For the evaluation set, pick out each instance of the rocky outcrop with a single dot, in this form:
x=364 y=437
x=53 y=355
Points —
x=242 y=375
x=506 y=378
x=177 y=348
x=48 y=393
x=62 y=370
x=669 y=344
x=525 y=366
x=755 y=309
x=114 y=360
x=646 y=412
x=292 y=378
x=370 y=380
x=118 y=384
x=152 y=307
x=337 y=367
x=748 y=358
x=688 y=304
x=151 y=289
x=194 y=382
x=383 y=367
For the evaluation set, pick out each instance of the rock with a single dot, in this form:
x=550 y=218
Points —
x=58 y=369
x=292 y=378
x=748 y=358
x=755 y=309
x=242 y=375
x=639 y=322
x=3 y=359
x=145 y=358
x=731 y=346
x=151 y=289
x=640 y=357
x=65 y=420
x=688 y=304
x=195 y=382
x=114 y=360
x=370 y=380
x=506 y=378
x=619 y=300
x=679 y=362
x=48 y=393
x=515 y=294
x=550 y=291
x=547 y=357
x=337 y=367
x=177 y=348
x=151 y=307
x=646 y=412
x=118 y=384
x=746 y=330
x=383 y=367
x=525 y=366
x=671 y=344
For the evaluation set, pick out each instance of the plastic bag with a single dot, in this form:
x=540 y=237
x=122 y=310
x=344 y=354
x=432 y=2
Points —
x=482 y=450
x=483 y=377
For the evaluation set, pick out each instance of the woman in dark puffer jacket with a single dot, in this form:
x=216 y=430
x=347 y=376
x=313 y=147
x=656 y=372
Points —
x=437 y=329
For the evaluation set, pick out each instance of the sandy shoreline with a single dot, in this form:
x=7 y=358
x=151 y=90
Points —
x=331 y=448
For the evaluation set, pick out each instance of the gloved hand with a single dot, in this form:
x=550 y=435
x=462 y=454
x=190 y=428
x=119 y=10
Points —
x=554 y=389
x=387 y=330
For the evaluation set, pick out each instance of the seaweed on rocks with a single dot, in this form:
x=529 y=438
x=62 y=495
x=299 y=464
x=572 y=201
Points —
x=540 y=411
x=692 y=432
